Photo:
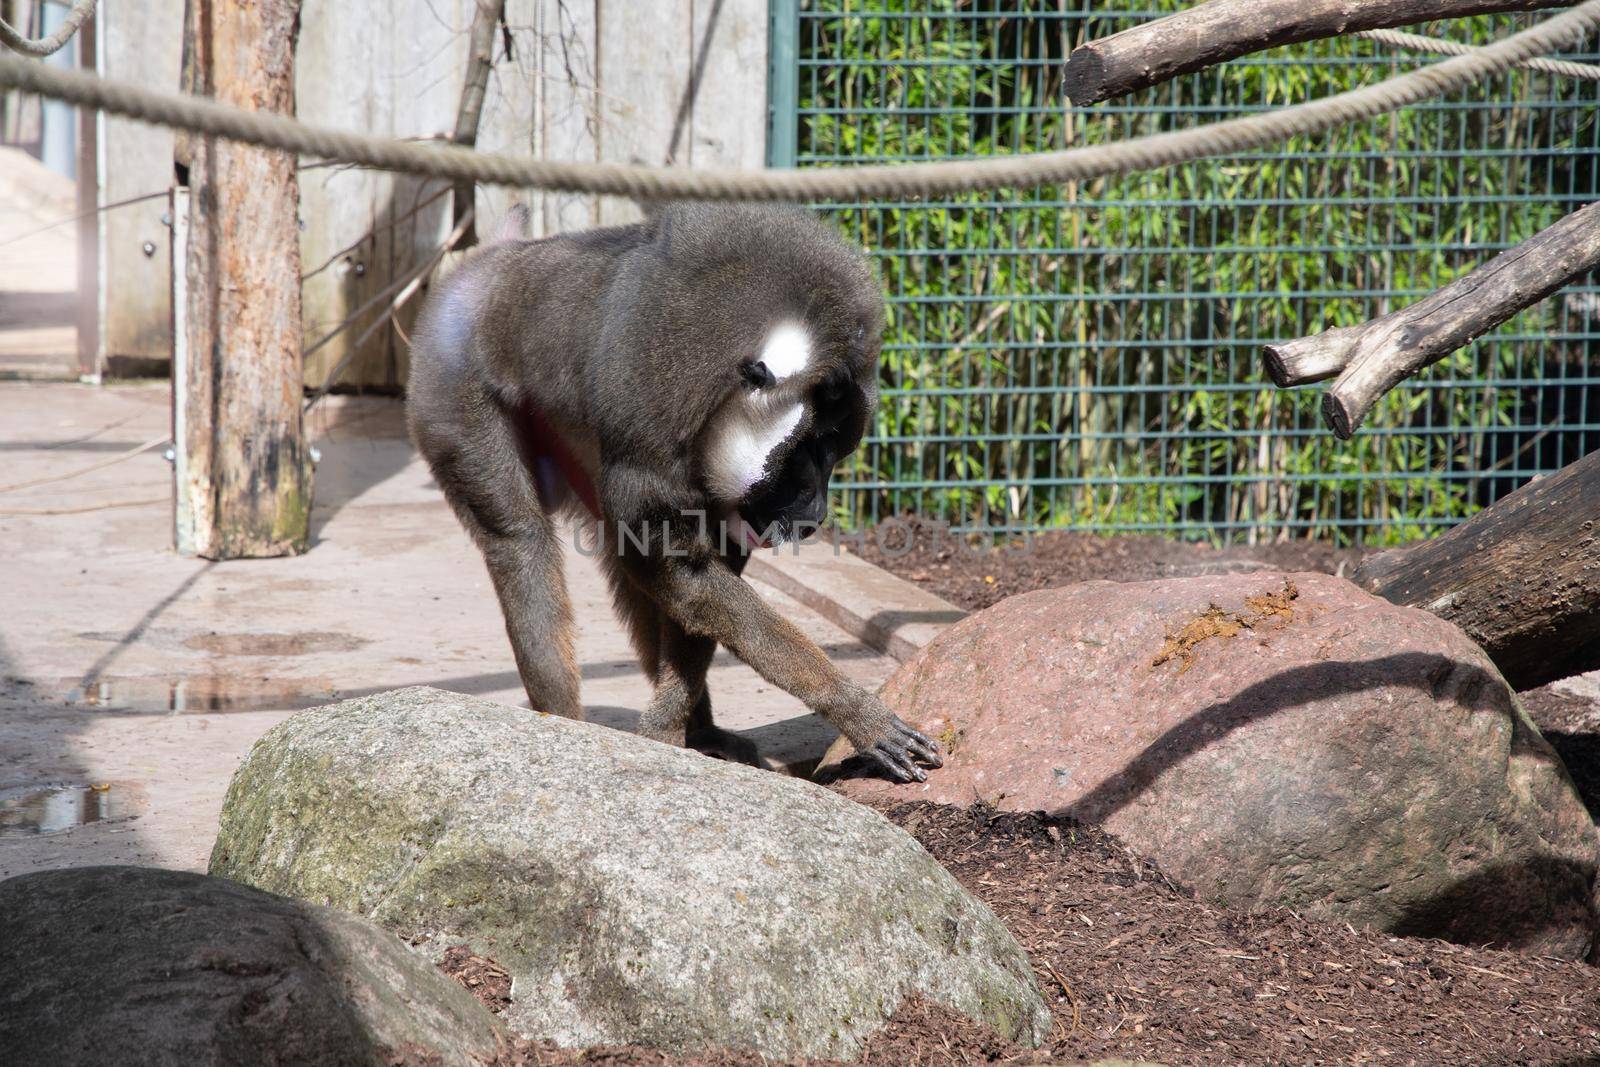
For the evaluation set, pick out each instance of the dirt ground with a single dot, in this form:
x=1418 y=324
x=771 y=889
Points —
x=1133 y=966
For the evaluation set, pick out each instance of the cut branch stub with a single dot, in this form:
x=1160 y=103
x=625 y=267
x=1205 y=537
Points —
x=1311 y=359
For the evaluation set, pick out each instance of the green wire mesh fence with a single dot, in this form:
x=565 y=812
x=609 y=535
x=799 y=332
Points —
x=1089 y=355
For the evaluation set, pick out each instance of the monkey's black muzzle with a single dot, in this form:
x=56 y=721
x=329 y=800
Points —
x=793 y=502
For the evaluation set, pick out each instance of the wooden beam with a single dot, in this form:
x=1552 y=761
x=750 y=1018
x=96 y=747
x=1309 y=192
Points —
x=1219 y=30
x=1373 y=358
x=1522 y=578
x=246 y=473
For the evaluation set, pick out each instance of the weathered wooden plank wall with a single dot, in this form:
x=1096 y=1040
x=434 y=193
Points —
x=680 y=82
x=663 y=81
x=141 y=43
x=399 y=75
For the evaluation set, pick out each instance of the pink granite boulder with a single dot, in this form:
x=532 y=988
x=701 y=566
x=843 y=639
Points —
x=1267 y=739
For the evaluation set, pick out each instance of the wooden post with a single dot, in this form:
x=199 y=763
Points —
x=246 y=486
x=1218 y=30
x=1522 y=578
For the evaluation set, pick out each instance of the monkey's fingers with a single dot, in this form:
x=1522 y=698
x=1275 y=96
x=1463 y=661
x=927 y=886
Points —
x=920 y=745
x=892 y=756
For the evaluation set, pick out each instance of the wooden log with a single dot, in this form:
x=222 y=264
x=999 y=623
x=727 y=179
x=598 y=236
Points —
x=1373 y=358
x=1522 y=578
x=246 y=489
x=480 y=60
x=1218 y=30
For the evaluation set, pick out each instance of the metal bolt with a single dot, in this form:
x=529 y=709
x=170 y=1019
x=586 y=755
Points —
x=149 y=248
x=171 y=454
x=360 y=270
x=316 y=455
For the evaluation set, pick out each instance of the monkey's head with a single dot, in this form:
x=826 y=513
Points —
x=771 y=450
x=796 y=319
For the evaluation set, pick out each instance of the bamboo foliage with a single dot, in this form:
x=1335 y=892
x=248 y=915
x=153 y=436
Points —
x=1088 y=355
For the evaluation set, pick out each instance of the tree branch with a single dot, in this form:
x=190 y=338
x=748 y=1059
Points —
x=1373 y=358
x=480 y=60
x=1218 y=30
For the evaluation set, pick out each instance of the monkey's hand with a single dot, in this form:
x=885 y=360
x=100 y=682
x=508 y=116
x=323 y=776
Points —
x=896 y=746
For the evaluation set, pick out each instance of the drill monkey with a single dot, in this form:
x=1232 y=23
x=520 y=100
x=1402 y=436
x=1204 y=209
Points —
x=690 y=381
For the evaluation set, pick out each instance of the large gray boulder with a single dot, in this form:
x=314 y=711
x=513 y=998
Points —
x=637 y=893
x=1268 y=739
x=134 y=965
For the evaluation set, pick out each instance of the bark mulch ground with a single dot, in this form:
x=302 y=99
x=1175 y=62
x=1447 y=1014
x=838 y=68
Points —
x=1134 y=966
x=974 y=577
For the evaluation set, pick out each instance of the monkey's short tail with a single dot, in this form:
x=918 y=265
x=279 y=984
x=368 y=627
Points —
x=516 y=226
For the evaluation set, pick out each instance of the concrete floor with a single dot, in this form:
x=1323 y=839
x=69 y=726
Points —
x=122 y=664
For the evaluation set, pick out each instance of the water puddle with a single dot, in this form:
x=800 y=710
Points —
x=275 y=644
x=50 y=809
x=202 y=694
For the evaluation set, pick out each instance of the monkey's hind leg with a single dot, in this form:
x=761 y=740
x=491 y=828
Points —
x=479 y=466
x=681 y=693
x=705 y=736
x=676 y=662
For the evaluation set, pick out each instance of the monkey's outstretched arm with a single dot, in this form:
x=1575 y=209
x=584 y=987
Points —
x=704 y=596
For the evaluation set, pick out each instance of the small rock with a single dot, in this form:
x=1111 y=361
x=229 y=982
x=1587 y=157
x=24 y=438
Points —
x=134 y=965
x=637 y=893
x=1267 y=739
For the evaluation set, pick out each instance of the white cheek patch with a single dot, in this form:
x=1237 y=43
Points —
x=745 y=434
x=787 y=350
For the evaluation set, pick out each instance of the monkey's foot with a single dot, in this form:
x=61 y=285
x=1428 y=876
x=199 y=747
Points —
x=722 y=744
x=902 y=749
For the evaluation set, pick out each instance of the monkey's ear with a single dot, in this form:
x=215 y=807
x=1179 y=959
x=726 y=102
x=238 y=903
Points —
x=758 y=374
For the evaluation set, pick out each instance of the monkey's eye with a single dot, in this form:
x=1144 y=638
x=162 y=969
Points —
x=758 y=374
x=861 y=332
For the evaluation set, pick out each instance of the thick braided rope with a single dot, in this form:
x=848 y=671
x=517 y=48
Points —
x=824 y=183
x=1416 y=42
x=43 y=46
